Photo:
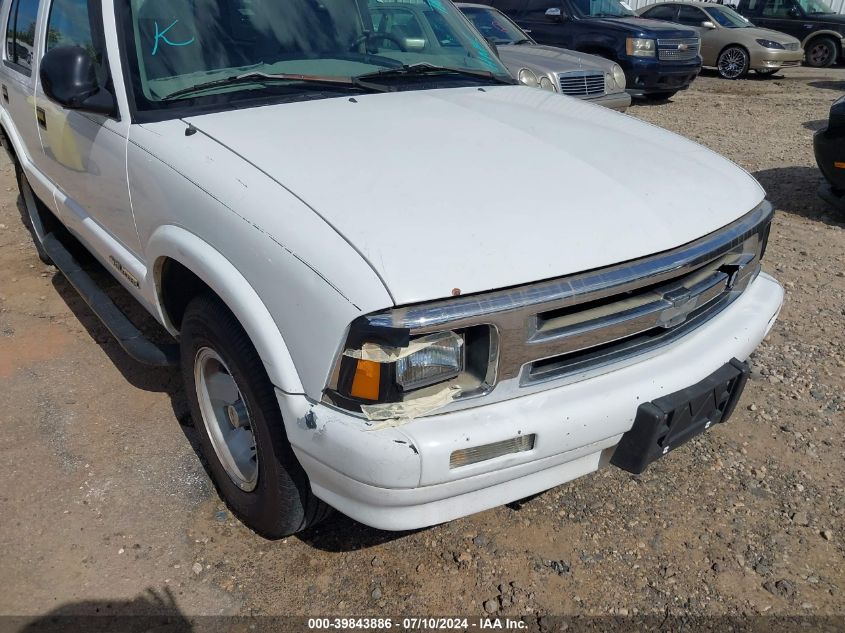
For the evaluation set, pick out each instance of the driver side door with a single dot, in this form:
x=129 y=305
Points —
x=533 y=17
x=784 y=16
x=84 y=154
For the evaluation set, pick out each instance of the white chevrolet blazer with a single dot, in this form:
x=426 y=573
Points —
x=398 y=283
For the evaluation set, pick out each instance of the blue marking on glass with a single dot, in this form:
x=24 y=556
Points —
x=484 y=56
x=161 y=35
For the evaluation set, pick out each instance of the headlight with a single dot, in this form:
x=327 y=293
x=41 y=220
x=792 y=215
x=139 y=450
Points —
x=528 y=78
x=547 y=84
x=387 y=372
x=770 y=44
x=440 y=358
x=619 y=76
x=640 y=47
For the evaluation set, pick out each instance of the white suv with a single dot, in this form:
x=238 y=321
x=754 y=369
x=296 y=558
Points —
x=401 y=285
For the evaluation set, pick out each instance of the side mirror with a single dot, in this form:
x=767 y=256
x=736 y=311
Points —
x=414 y=44
x=554 y=14
x=69 y=78
x=794 y=12
x=492 y=44
x=707 y=24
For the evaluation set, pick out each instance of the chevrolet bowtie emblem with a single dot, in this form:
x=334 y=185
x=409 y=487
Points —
x=682 y=47
x=681 y=304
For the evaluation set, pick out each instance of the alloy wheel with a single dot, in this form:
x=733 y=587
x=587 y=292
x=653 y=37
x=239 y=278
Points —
x=733 y=63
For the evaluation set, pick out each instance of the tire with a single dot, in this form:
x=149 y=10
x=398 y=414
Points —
x=34 y=216
x=769 y=72
x=660 y=96
x=733 y=63
x=269 y=492
x=821 y=52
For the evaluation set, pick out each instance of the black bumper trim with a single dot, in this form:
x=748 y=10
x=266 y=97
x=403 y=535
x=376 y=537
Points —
x=673 y=420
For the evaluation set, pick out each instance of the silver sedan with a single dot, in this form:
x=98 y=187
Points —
x=587 y=77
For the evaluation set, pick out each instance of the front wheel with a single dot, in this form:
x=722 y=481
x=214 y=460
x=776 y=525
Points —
x=240 y=426
x=733 y=63
x=821 y=52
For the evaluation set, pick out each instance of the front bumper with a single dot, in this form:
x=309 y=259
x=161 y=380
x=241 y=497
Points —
x=829 y=149
x=767 y=59
x=400 y=478
x=647 y=76
x=615 y=101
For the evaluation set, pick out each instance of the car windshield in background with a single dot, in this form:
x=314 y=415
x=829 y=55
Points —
x=603 y=8
x=728 y=18
x=495 y=26
x=208 y=52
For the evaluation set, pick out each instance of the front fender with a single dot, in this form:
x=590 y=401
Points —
x=837 y=37
x=233 y=289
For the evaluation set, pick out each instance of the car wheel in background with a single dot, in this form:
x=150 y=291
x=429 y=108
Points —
x=240 y=426
x=768 y=72
x=733 y=62
x=821 y=52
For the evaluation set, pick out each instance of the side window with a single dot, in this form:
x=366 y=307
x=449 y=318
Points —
x=20 y=33
x=662 y=12
x=69 y=25
x=777 y=8
x=9 y=54
x=691 y=16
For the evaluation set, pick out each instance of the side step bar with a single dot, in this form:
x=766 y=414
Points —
x=128 y=336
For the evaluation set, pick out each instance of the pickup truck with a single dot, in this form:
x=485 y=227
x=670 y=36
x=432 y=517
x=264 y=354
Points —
x=817 y=26
x=397 y=283
x=659 y=59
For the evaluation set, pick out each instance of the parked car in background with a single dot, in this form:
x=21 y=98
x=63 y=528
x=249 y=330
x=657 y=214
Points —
x=658 y=58
x=829 y=147
x=818 y=27
x=729 y=42
x=587 y=77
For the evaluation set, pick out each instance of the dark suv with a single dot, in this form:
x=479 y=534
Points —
x=819 y=28
x=658 y=58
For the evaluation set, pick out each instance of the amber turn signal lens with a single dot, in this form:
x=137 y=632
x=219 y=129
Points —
x=839 y=165
x=365 y=384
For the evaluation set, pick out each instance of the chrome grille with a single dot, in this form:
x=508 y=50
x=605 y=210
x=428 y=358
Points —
x=678 y=50
x=581 y=83
x=792 y=46
x=587 y=322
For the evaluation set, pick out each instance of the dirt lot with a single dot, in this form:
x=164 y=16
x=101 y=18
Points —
x=105 y=505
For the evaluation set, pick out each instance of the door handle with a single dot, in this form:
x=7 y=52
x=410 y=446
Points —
x=5 y=92
x=42 y=117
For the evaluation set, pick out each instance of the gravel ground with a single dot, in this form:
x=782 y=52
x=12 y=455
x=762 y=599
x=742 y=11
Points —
x=105 y=507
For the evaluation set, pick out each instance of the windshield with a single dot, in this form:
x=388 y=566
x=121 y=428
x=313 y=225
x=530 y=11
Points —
x=495 y=26
x=812 y=7
x=728 y=18
x=603 y=8
x=176 y=45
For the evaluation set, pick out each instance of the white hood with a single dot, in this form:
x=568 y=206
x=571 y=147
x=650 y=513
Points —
x=478 y=190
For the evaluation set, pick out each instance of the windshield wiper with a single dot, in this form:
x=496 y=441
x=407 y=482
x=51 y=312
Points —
x=255 y=77
x=424 y=68
x=524 y=40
